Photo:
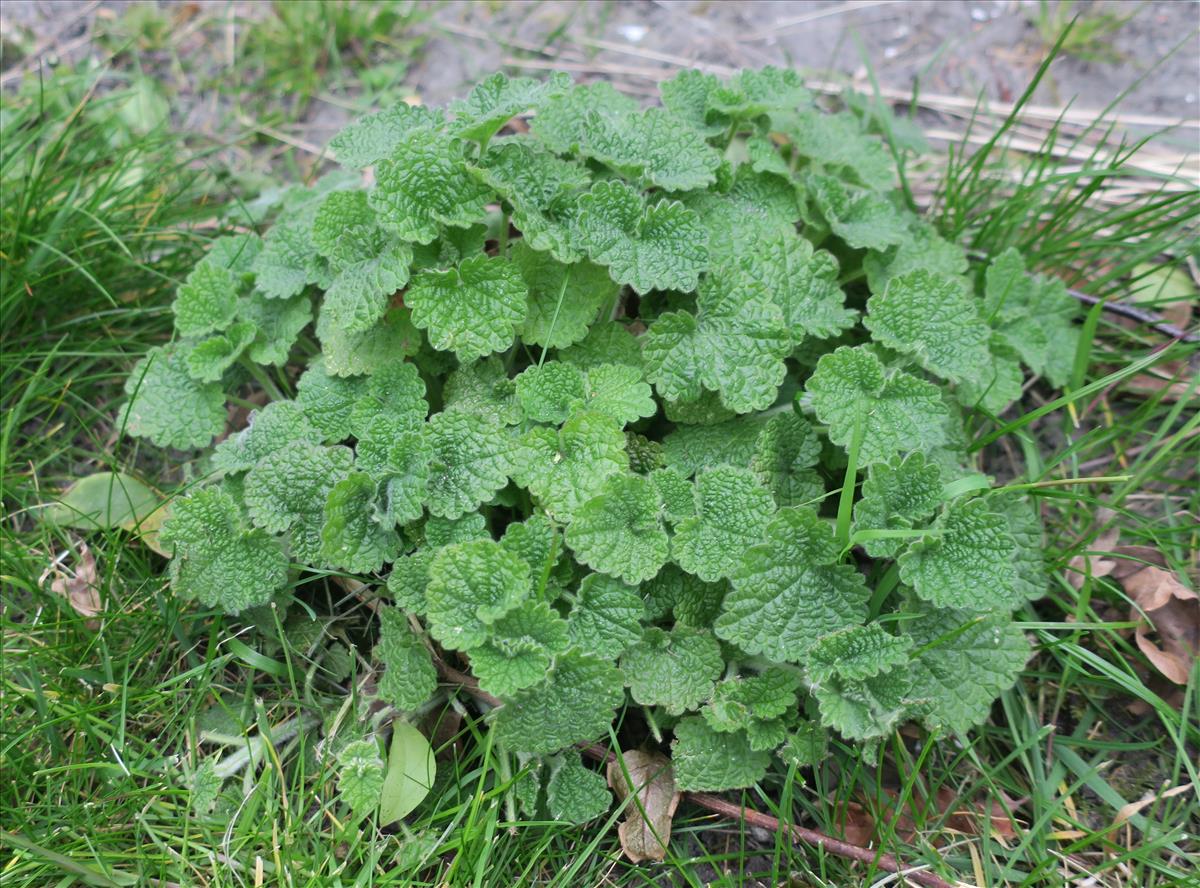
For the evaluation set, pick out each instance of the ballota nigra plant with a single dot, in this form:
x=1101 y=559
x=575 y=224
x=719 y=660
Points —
x=586 y=408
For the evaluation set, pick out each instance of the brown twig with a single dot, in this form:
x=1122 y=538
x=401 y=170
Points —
x=721 y=807
x=1140 y=315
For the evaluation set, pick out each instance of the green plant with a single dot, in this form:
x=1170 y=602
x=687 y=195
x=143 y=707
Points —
x=601 y=396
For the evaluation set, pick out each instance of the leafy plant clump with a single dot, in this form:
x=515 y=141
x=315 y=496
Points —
x=587 y=407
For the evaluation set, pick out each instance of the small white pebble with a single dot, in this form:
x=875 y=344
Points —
x=633 y=33
x=979 y=15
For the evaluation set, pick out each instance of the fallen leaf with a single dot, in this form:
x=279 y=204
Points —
x=1132 y=808
x=860 y=826
x=646 y=830
x=78 y=585
x=1165 y=607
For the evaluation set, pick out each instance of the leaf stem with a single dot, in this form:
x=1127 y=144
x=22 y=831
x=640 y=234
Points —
x=846 y=498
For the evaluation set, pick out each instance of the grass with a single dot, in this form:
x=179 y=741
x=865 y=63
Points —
x=104 y=728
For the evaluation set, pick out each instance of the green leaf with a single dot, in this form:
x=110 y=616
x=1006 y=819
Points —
x=425 y=182
x=370 y=139
x=607 y=342
x=235 y=253
x=328 y=401
x=471 y=457
x=541 y=190
x=686 y=95
x=865 y=709
x=411 y=770
x=550 y=392
x=448 y=531
x=963 y=662
x=561 y=123
x=497 y=99
x=484 y=388
x=752 y=93
x=471 y=586
x=520 y=648
x=688 y=598
x=537 y=542
x=734 y=345
x=399 y=462
x=921 y=249
x=657 y=247
x=708 y=761
x=354 y=354
x=1025 y=527
x=169 y=407
x=207 y=301
x=277 y=322
x=618 y=390
x=360 y=775
x=394 y=393
x=898 y=495
x=966 y=561
x=1033 y=315
x=409 y=579
x=566 y=468
x=784 y=456
x=756 y=208
x=739 y=702
x=208 y=359
x=932 y=318
x=857 y=653
x=288 y=261
x=219 y=561
x=994 y=385
x=102 y=501
x=790 y=590
x=732 y=511
x=675 y=670
x=837 y=141
x=803 y=284
x=898 y=411
x=352 y=537
x=576 y=794
x=575 y=702
x=278 y=425
x=471 y=310
x=619 y=532
x=862 y=218
x=409 y=678
x=677 y=493
x=804 y=747
x=651 y=146
x=562 y=299
x=287 y=490
x=606 y=617
x=691 y=448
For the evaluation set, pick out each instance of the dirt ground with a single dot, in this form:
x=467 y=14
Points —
x=963 y=49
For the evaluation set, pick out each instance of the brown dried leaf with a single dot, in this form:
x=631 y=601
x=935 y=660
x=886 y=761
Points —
x=79 y=585
x=645 y=837
x=860 y=827
x=1170 y=610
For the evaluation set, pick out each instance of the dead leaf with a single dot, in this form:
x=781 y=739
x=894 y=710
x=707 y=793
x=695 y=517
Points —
x=78 y=584
x=1171 y=611
x=645 y=837
x=860 y=827
x=1132 y=808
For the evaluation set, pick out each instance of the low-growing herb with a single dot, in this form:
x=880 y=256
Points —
x=589 y=405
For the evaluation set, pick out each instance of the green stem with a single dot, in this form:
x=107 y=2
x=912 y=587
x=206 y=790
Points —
x=846 y=499
x=562 y=292
x=503 y=242
x=262 y=379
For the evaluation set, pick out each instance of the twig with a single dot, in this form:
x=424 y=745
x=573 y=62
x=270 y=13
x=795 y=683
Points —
x=1134 y=313
x=719 y=806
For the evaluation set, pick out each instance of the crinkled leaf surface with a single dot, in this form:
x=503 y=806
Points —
x=898 y=411
x=575 y=702
x=470 y=459
x=658 y=247
x=967 y=560
x=519 y=649
x=790 y=590
x=562 y=299
x=409 y=678
x=471 y=310
x=353 y=538
x=619 y=531
x=675 y=670
x=576 y=794
x=897 y=495
x=708 y=761
x=168 y=406
x=606 y=617
x=732 y=511
x=734 y=345
x=471 y=586
x=564 y=469
x=219 y=561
